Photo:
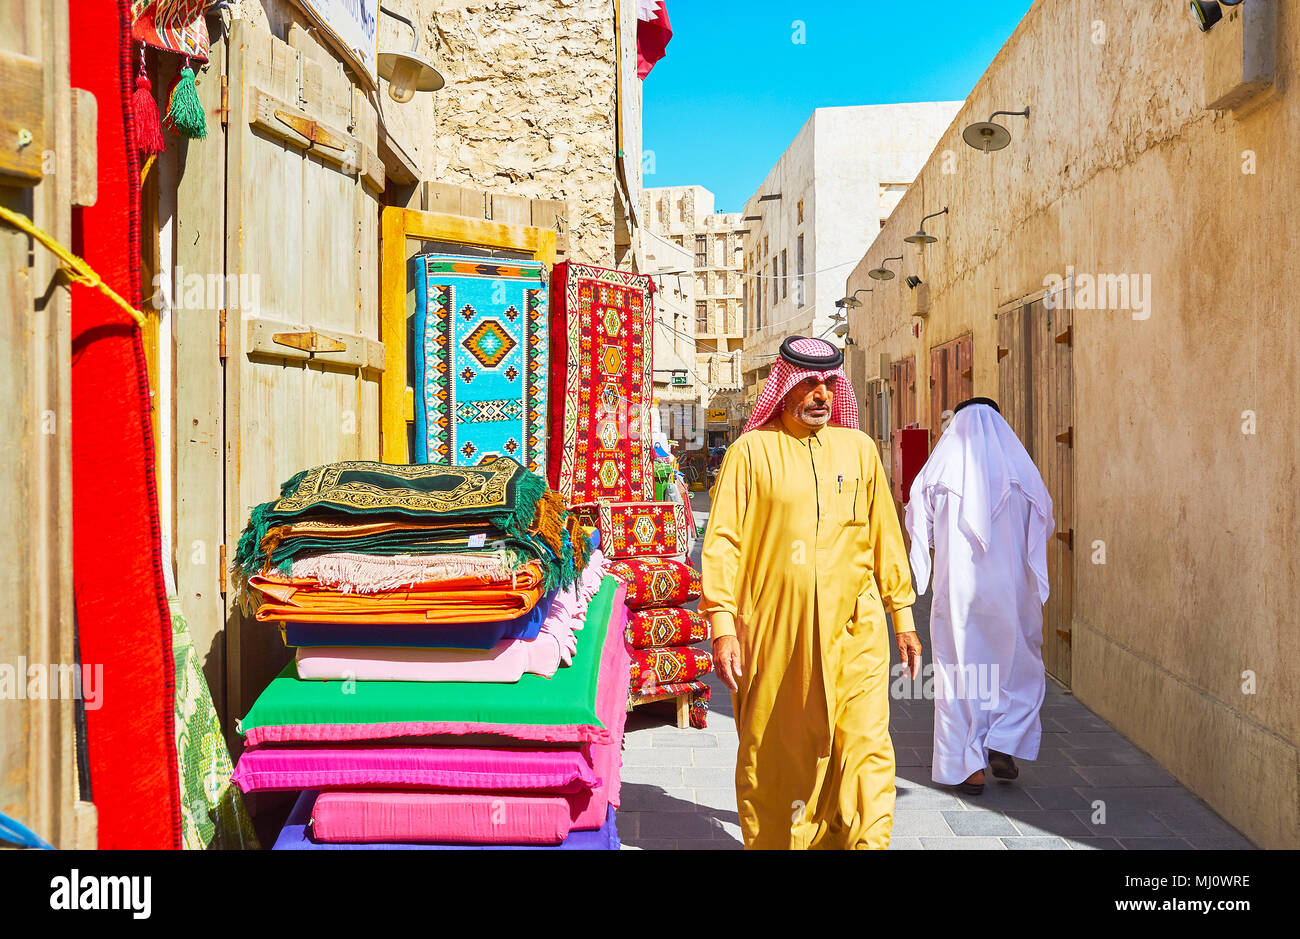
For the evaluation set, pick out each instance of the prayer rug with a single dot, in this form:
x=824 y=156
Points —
x=638 y=529
x=480 y=358
x=652 y=667
x=650 y=629
x=468 y=600
x=401 y=508
x=656 y=582
x=212 y=810
x=601 y=397
x=698 y=690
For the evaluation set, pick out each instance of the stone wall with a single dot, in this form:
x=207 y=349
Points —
x=528 y=108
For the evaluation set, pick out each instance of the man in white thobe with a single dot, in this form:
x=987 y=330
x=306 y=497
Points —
x=980 y=502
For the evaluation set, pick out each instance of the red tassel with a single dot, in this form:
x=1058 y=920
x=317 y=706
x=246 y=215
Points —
x=146 y=129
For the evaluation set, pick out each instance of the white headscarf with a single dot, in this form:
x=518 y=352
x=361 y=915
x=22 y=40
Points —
x=979 y=459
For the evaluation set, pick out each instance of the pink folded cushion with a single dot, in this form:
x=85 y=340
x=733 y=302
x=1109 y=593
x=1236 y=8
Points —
x=478 y=768
x=507 y=661
x=440 y=817
x=611 y=709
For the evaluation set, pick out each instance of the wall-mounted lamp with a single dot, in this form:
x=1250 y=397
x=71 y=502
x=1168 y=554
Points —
x=912 y=281
x=841 y=330
x=852 y=302
x=1209 y=12
x=921 y=238
x=406 y=72
x=988 y=136
x=882 y=272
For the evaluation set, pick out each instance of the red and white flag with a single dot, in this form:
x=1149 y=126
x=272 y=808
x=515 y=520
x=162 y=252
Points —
x=652 y=34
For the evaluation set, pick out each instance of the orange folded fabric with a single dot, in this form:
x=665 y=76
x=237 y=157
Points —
x=464 y=600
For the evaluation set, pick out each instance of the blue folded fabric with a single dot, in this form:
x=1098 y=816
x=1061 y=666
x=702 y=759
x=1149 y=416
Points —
x=452 y=636
x=294 y=837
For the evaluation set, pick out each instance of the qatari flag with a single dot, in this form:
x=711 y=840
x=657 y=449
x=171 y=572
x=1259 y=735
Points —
x=652 y=34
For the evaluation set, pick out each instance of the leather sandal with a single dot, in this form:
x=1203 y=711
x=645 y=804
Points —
x=1003 y=766
x=970 y=788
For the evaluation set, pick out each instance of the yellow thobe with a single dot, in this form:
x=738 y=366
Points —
x=802 y=556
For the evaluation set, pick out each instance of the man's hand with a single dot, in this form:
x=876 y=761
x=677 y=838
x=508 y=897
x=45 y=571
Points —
x=726 y=659
x=909 y=652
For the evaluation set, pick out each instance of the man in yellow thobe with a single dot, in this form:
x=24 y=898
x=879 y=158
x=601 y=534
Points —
x=802 y=557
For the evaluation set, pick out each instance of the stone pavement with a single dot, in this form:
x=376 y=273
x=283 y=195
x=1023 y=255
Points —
x=678 y=785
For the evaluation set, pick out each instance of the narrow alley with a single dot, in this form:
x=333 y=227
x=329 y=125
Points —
x=1089 y=789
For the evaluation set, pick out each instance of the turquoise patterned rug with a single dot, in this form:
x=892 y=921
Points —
x=480 y=360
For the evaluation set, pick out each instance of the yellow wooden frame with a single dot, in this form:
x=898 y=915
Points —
x=397 y=225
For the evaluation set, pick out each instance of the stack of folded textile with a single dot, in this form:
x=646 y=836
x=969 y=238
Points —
x=661 y=634
x=460 y=661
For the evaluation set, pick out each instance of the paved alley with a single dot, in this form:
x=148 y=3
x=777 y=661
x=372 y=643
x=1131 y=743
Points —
x=1089 y=789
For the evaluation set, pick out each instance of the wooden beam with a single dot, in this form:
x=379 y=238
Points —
x=392 y=332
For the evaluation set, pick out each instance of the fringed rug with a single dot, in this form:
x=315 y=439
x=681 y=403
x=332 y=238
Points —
x=481 y=360
x=601 y=356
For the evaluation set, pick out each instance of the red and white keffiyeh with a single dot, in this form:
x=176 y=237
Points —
x=784 y=376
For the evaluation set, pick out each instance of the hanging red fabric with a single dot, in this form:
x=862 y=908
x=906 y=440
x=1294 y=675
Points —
x=123 y=619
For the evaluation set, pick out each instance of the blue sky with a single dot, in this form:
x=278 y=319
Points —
x=734 y=88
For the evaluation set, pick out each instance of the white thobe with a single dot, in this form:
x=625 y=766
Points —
x=986 y=636
x=990 y=583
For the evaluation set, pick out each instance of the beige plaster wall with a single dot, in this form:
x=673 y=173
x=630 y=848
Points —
x=1121 y=169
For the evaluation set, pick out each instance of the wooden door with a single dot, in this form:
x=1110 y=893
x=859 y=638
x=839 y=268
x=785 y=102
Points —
x=303 y=359
x=1036 y=393
x=902 y=392
x=951 y=380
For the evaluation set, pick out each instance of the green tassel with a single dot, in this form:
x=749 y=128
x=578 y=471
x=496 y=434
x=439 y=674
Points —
x=247 y=552
x=185 y=112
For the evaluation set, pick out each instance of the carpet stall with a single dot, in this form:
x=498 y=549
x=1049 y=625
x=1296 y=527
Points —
x=460 y=660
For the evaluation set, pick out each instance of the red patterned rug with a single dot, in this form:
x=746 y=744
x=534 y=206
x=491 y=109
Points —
x=657 y=582
x=651 y=667
x=637 y=529
x=649 y=629
x=602 y=327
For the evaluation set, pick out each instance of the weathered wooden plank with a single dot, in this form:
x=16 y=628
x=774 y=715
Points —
x=38 y=776
x=85 y=119
x=22 y=119
x=510 y=210
x=448 y=199
x=199 y=427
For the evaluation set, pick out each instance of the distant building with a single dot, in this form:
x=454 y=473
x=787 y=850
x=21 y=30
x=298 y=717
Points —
x=712 y=242
x=822 y=203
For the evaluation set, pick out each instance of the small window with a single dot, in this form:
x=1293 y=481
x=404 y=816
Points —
x=701 y=316
x=800 y=211
x=785 y=275
x=701 y=251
